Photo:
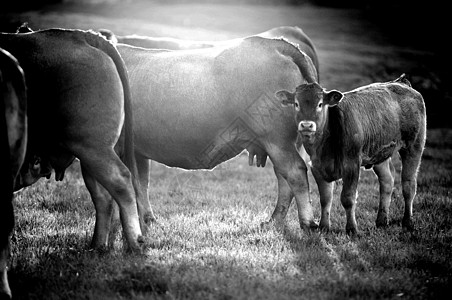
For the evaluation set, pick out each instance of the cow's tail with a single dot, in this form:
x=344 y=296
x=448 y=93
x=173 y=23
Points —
x=403 y=79
x=305 y=64
x=126 y=149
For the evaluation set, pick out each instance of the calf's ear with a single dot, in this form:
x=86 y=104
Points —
x=333 y=97
x=286 y=98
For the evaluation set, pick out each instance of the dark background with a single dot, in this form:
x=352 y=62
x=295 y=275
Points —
x=419 y=26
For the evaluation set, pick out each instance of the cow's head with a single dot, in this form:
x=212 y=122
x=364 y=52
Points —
x=311 y=103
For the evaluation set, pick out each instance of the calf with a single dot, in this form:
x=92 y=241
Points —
x=363 y=127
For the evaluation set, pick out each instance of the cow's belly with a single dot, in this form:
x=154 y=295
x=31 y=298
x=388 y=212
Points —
x=380 y=154
x=190 y=145
x=189 y=154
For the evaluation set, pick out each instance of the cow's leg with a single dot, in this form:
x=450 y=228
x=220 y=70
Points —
x=289 y=165
x=386 y=181
x=411 y=160
x=108 y=170
x=6 y=206
x=6 y=227
x=348 y=196
x=144 y=206
x=326 y=198
x=104 y=210
x=285 y=197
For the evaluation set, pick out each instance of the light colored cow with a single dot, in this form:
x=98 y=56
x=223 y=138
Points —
x=194 y=109
x=363 y=127
x=293 y=34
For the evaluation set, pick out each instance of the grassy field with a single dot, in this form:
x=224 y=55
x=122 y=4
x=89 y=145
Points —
x=208 y=243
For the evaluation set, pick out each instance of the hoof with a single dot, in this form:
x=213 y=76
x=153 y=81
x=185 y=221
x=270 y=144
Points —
x=266 y=225
x=382 y=218
x=324 y=228
x=352 y=232
x=313 y=225
x=5 y=295
x=309 y=227
x=382 y=221
x=100 y=249
x=150 y=218
x=408 y=224
x=269 y=224
x=5 y=291
x=138 y=247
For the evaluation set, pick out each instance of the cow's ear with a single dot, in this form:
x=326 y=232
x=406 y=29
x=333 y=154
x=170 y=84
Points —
x=286 y=98
x=332 y=98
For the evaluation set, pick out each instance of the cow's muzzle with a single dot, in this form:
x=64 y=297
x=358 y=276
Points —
x=307 y=127
x=307 y=131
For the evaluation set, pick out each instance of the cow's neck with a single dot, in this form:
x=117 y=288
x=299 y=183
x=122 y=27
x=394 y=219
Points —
x=327 y=150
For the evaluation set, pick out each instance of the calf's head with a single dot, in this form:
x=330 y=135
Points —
x=311 y=103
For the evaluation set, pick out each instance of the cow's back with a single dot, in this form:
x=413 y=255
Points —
x=295 y=35
x=60 y=84
x=380 y=118
x=412 y=110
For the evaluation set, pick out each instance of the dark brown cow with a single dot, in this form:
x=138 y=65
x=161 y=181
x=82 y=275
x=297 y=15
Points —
x=13 y=140
x=363 y=127
x=78 y=104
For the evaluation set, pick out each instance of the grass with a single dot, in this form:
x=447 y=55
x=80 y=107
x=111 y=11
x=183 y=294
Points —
x=208 y=243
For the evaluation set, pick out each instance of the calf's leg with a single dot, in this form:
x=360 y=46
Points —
x=348 y=196
x=386 y=180
x=411 y=160
x=326 y=198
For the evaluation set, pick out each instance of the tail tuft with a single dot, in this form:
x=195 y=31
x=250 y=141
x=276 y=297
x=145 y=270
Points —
x=403 y=79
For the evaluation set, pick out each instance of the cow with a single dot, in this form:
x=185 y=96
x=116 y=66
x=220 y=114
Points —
x=292 y=33
x=79 y=106
x=194 y=109
x=13 y=141
x=362 y=127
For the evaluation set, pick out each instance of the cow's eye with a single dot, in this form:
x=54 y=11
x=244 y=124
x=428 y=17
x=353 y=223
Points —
x=320 y=104
x=297 y=105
